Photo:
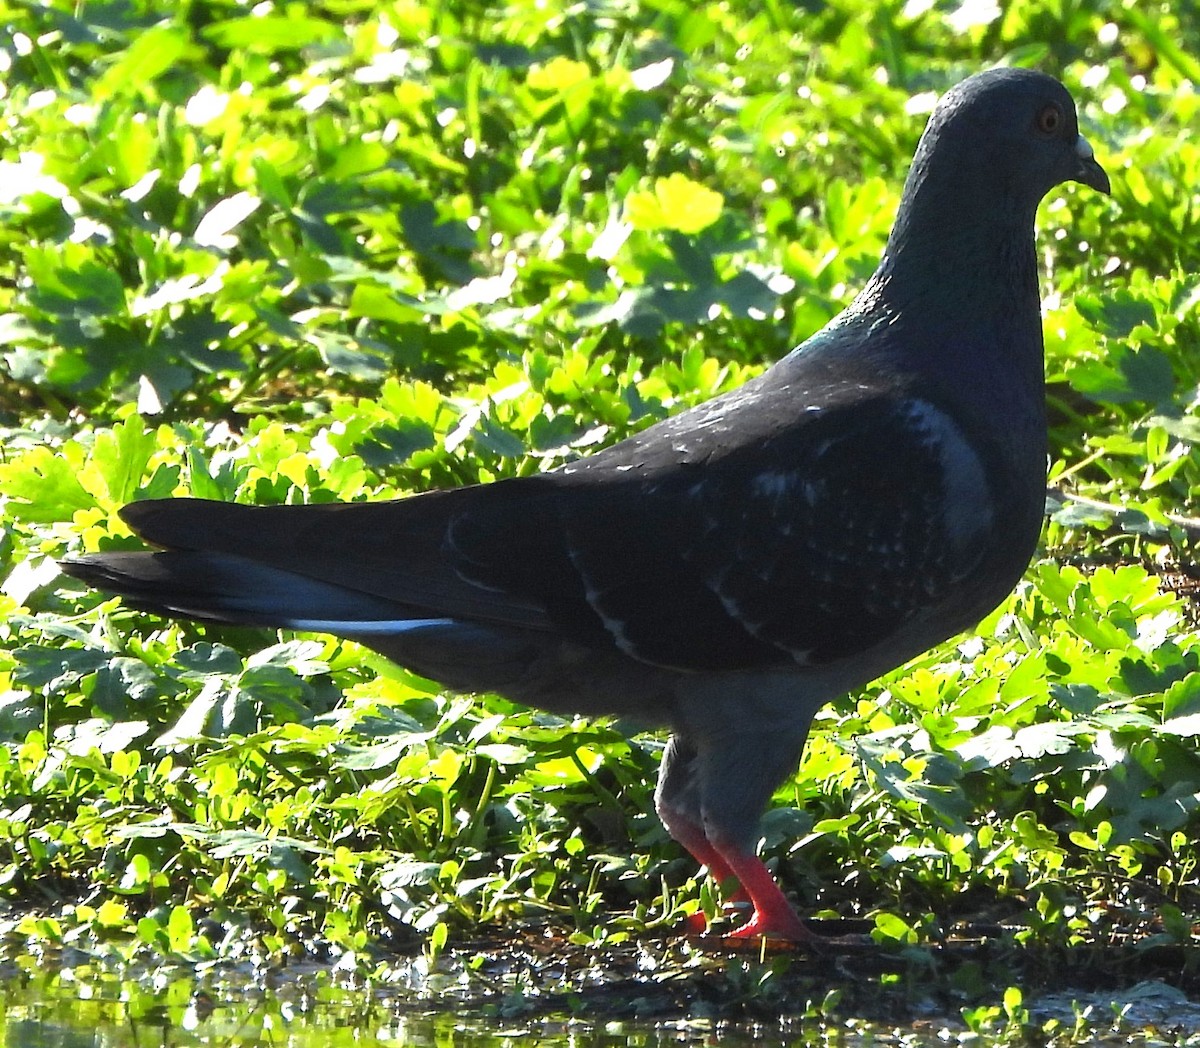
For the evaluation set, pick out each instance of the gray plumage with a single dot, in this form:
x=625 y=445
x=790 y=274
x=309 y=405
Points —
x=731 y=569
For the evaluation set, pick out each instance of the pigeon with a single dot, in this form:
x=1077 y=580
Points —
x=729 y=570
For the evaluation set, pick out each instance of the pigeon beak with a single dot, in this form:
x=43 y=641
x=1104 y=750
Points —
x=1089 y=171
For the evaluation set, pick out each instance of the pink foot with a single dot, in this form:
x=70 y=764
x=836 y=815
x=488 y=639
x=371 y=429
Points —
x=763 y=925
x=772 y=915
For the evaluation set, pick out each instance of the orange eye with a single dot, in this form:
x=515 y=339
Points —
x=1049 y=119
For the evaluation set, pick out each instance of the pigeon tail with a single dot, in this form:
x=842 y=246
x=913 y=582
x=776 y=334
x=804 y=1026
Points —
x=227 y=588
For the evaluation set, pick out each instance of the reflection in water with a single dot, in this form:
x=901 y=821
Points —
x=641 y=998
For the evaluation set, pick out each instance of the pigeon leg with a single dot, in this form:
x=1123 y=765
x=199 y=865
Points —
x=679 y=799
x=692 y=838
x=773 y=916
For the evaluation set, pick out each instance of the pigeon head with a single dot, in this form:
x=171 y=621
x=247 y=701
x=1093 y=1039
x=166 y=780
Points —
x=1014 y=132
x=996 y=144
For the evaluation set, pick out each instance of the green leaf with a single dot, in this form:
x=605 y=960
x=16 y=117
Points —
x=180 y=929
x=272 y=33
x=675 y=202
x=559 y=74
x=42 y=486
x=122 y=455
x=150 y=54
x=70 y=283
x=1117 y=313
x=1143 y=374
x=891 y=928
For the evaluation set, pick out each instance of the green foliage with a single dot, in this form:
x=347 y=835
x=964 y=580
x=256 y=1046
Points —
x=353 y=250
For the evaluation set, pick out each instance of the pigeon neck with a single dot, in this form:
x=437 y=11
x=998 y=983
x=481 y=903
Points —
x=952 y=259
x=958 y=290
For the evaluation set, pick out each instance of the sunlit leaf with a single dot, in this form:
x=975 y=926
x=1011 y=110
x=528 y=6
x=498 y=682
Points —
x=674 y=202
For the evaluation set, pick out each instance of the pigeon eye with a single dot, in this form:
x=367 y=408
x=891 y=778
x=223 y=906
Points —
x=1049 y=119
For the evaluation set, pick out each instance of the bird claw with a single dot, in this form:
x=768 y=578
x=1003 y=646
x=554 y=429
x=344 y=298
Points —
x=783 y=927
x=786 y=927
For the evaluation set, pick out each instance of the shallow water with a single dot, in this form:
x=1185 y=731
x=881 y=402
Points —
x=68 y=1008
x=67 y=1001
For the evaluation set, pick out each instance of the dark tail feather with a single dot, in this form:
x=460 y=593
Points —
x=222 y=587
x=225 y=588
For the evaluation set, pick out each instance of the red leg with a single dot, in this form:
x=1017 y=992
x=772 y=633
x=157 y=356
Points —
x=689 y=772
x=773 y=916
x=693 y=839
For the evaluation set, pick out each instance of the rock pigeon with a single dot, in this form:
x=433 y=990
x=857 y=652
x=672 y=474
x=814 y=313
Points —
x=727 y=571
